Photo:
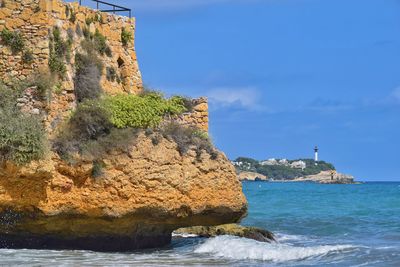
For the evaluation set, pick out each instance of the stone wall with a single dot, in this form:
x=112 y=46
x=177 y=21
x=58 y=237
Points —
x=36 y=20
x=198 y=117
x=23 y=16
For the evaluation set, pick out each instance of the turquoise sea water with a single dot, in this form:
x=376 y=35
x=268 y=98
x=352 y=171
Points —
x=316 y=225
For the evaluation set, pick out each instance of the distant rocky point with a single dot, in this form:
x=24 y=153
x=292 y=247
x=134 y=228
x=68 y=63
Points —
x=252 y=176
x=327 y=177
x=284 y=170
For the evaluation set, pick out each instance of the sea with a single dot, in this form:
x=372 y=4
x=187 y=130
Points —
x=314 y=224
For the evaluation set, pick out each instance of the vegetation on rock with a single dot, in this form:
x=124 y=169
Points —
x=126 y=37
x=60 y=51
x=22 y=137
x=100 y=44
x=87 y=76
x=13 y=39
x=112 y=122
x=142 y=111
x=45 y=83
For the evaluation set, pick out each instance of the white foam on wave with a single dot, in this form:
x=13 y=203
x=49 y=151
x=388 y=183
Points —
x=280 y=237
x=183 y=235
x=247 y=249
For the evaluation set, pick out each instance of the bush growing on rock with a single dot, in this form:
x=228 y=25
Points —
x=141 y=111
x=101 y=125
x=45 y=82
x=12 y=39
x=22 y=137
x=126 y=37
x=87 y=76
x=187 y=138
x=100 y=44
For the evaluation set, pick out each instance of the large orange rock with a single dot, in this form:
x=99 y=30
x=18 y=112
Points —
x=144 y=194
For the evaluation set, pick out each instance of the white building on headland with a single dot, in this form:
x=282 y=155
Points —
x=269 y=162
x=243 y=165
x=298 y=164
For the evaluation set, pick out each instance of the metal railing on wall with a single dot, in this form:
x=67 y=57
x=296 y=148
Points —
x=110 y=8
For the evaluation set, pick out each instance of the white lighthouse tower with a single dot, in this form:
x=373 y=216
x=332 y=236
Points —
x=316 y=155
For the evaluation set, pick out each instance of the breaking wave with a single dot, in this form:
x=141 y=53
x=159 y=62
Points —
x=247 y=249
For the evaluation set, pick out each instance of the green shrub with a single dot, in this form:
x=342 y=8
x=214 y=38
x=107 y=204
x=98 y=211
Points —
x=97 y=169
x=45 y=82
x=188 y=103
x=116 y=140
x=90 y=121
x=72 y=17
x=86 y=33
x=56 y=65
x=87 y=77
x=22 y=137
x=89 y=21
x=126 y=37
x=61 y=47
x=14 y=40
x=71 y=35
x=187 y=138
x=141 y=111
x=73 y=141
x=111 y=74
x=9 y=96
x=60 y=51
x=100 y=44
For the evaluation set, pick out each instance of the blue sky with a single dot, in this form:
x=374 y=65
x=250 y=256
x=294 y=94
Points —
x=284 y=75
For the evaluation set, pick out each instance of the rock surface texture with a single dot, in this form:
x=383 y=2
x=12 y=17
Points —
x=144 y=194
x=252 y=176
x=228 y=229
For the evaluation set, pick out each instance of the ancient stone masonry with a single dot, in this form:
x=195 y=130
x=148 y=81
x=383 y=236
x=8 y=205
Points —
x=198 y=116
x=35 y=22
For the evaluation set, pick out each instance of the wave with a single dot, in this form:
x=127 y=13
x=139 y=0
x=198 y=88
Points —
x=246 y=249
x=280 y=237
x=183 y=235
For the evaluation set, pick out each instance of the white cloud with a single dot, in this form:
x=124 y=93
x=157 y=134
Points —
x=396 y=95
x=247 y=97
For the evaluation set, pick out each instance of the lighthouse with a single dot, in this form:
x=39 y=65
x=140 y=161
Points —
x=316 y=155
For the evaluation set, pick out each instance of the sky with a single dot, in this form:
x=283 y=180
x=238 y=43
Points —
x=284 y=75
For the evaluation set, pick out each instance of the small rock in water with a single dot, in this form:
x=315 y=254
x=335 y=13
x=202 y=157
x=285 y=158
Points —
x=229 y=229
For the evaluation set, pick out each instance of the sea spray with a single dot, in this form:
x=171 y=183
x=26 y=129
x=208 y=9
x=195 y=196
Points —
x=247 y=249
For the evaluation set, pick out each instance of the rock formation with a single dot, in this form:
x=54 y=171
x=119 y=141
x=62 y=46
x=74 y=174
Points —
x=144 y=194
x=327 y=177
x=145 y=191
x=228 y=229
x=252 y=176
